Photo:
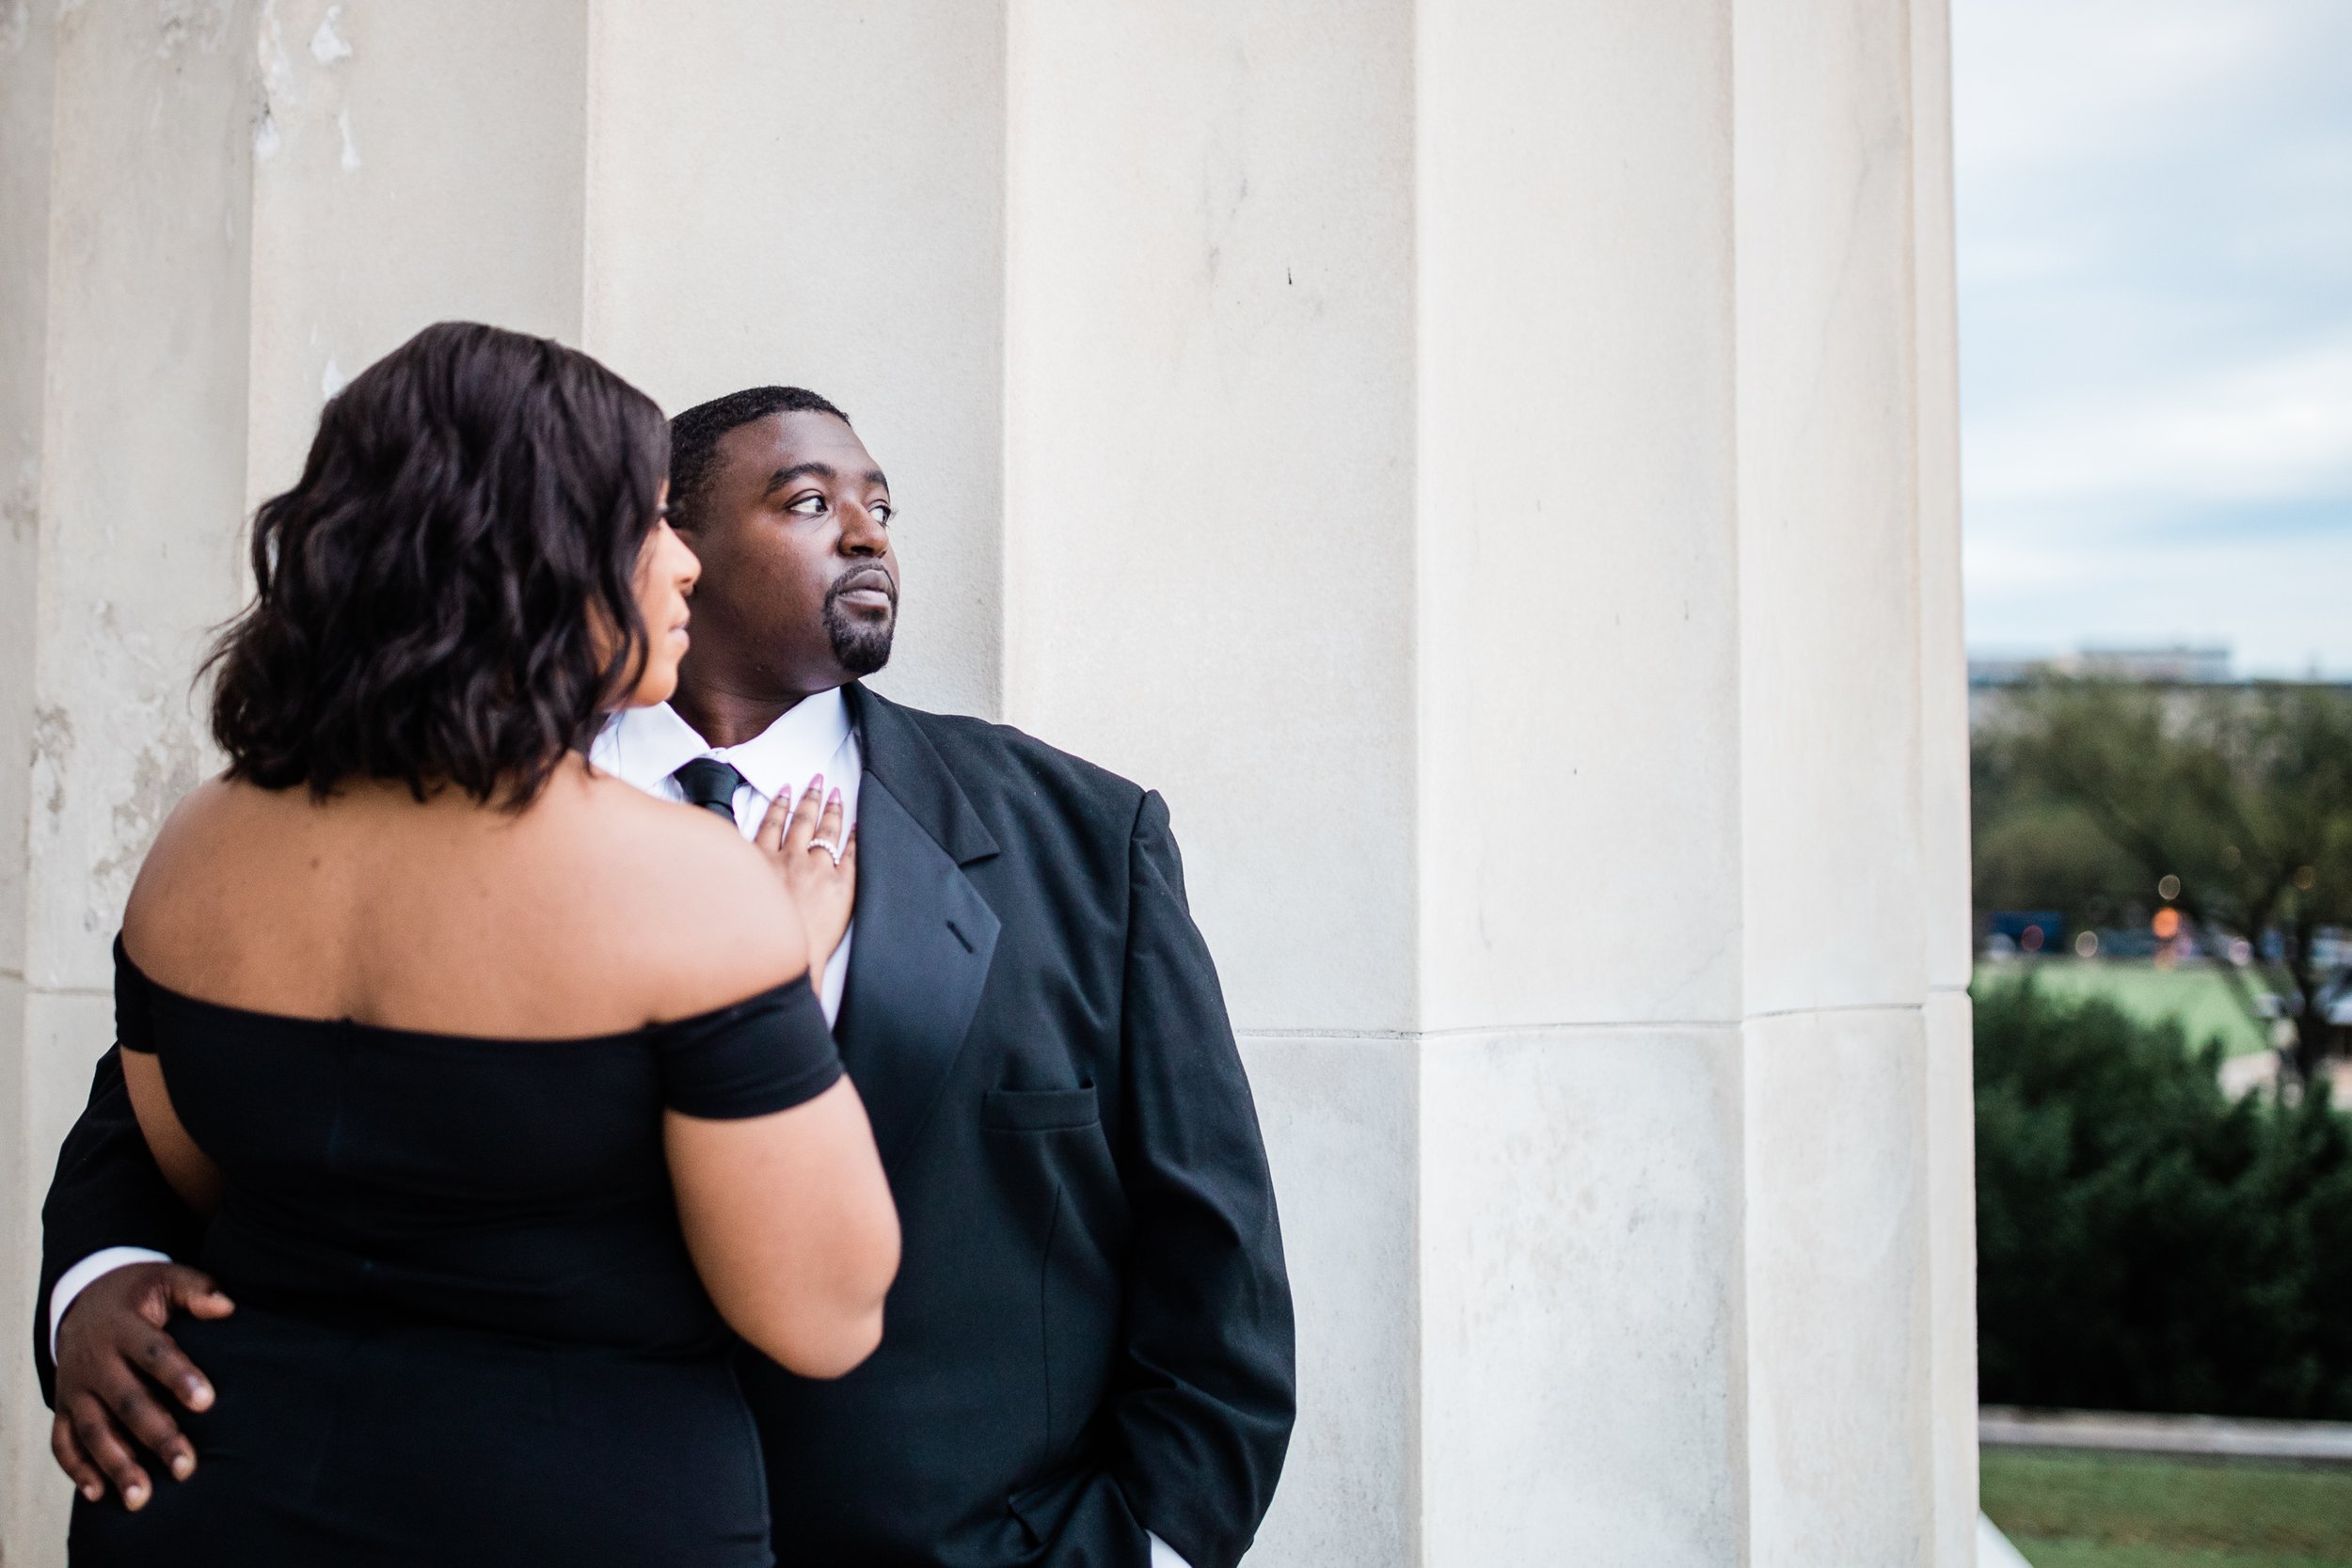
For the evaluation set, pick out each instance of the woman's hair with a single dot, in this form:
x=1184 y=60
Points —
x=447 y=596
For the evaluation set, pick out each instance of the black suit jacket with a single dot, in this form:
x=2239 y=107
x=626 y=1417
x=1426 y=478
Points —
x=1090 y=1332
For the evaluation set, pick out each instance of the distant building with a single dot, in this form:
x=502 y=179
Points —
x=2180 y=664
x=1993 y=677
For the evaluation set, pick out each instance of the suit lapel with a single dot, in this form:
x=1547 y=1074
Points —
x=924 y=936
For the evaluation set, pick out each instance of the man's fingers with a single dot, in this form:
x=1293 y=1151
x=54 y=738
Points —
x=150 y=1423
x=211 y=1304
x=192 y=1290
x=159 y=1356
x=175 y=1287
x=73 y=1461
x=95 y=1429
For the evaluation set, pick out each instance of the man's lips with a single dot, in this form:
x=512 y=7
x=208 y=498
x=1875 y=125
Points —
x=867 y=591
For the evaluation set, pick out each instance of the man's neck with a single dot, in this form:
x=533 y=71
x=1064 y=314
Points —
x=725 y=719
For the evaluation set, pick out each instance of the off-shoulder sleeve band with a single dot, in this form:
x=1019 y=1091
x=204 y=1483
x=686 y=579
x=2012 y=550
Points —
x=135 y=1024
x=769 y=1054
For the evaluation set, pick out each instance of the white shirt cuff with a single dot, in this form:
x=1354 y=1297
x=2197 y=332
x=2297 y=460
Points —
x=1164 y=1555
x=82 y=1276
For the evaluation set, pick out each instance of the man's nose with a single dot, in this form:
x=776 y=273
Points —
x=862 y=532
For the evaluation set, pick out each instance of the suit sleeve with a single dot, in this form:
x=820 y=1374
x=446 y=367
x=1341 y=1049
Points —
x=107 y=1192
x=1203 y=1413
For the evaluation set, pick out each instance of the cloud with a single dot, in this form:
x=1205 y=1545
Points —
x=2259 y=430
x=2155 y=261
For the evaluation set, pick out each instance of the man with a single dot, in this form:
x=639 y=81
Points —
x=1087 y=1358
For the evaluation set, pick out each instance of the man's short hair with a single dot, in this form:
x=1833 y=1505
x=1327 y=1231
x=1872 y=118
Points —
x=695 y=434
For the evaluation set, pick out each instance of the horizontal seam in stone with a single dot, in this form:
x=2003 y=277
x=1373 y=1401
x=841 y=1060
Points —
x=1843 y=1007
x=1619 y=1027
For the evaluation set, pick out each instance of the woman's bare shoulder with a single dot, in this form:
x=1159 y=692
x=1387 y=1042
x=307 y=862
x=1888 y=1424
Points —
x=714 y=918
x=219 y=804
x=229 y=882
x=204 y=832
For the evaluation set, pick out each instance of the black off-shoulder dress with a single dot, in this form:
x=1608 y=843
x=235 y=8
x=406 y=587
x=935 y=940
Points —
x=467 y=1330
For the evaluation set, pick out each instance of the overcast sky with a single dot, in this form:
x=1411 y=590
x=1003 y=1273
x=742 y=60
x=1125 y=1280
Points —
x=2155 y=317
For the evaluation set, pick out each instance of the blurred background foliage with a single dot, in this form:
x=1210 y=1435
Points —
x=2146 y=1242
x=2229 y=804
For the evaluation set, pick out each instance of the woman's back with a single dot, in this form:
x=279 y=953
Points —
x=429 y=1060
x=595 y=910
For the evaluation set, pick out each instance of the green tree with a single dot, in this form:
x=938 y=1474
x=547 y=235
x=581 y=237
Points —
x=2145 y=1241
x=2243 y=795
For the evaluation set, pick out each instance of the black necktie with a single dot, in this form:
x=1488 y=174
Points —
x=710 y=784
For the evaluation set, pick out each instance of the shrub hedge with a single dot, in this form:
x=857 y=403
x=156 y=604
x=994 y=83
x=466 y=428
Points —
x=2143 y=1242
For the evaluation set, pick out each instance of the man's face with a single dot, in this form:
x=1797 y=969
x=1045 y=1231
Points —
x=800 y=588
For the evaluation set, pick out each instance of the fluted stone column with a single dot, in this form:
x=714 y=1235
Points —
x=125 y=163
x=1488 y=461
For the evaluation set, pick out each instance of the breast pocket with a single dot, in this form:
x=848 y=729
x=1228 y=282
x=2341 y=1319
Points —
x=1040 y=1110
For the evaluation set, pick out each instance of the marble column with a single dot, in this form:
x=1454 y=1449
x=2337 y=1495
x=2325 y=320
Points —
x=1489 y=463
x=125 y=186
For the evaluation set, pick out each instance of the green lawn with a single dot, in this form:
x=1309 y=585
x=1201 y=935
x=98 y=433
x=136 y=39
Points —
x=2129 y=1510
x=2195 y=993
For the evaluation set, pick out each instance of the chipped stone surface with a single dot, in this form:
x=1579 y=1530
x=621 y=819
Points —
x=20 y=505
x=328 y=45
x=411 y=180
x=184 y=24
x=31 y=1510
x=142 y=469
x=165 y=767
x=52 y=750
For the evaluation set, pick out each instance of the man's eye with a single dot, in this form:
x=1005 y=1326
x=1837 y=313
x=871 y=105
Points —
x=882 y=512
x=808 y=506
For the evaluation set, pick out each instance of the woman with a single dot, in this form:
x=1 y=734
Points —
x=501 y=1082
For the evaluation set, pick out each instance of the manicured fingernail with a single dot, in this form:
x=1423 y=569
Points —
x=134 y=1499
x=93 y=1491
x=835 y=798
x=200 y=1396
x=182 y=1466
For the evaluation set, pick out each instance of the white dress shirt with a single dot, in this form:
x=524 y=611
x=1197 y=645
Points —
x=815 y=738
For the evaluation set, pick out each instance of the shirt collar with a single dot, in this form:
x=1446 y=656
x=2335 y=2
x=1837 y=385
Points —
x=799 y=745
x=646 y=745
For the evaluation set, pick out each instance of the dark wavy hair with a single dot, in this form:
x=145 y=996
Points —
x=447 y=595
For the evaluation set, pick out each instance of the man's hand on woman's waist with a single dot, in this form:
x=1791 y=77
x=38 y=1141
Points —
x=112 y=1351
